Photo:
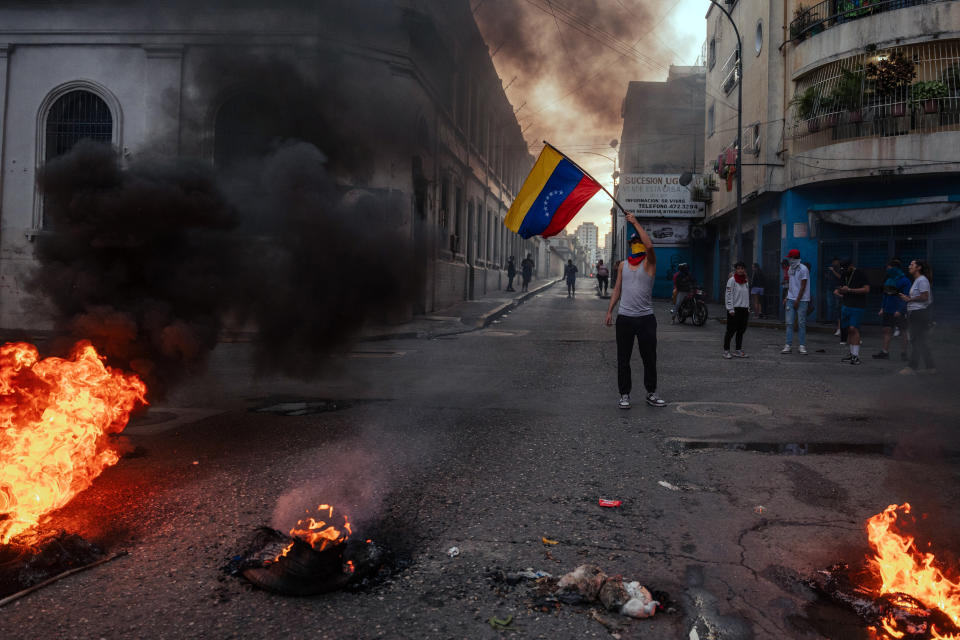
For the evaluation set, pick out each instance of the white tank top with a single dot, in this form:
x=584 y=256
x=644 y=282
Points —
x=636 y=291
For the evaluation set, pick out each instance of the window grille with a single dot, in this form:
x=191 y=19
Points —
x=75 y=116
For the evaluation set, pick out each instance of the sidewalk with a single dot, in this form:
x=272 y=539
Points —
x=466 y=315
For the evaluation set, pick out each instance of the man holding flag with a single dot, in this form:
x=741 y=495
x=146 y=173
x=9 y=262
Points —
x=635 y=319
x=554 y=191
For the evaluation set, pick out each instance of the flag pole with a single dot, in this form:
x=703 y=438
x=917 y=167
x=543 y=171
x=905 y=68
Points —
x=584 y=171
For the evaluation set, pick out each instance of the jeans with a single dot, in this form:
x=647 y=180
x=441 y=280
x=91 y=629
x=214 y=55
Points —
x=801 y=314
x=833 y=302
x=643 y=329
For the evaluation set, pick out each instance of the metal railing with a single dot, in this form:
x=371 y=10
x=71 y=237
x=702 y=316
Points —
x=830 y=13
x=732 y=71
x=852 y=98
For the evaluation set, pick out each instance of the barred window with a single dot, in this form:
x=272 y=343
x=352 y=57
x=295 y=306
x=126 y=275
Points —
x=75 y=116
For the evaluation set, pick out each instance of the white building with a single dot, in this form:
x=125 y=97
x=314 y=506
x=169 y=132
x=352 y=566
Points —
x=588 y=235
x=201 y=80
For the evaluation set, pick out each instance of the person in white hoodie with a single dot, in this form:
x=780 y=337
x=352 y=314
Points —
x=738 y=310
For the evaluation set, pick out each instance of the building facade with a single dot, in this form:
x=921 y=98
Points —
x=662 y=139
x=587 y=237
x=401 y=97
x=851 y=115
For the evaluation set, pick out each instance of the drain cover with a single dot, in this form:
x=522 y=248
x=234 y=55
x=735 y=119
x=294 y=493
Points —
x=722 y=409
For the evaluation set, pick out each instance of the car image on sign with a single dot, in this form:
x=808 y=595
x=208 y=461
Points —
x=666 y=232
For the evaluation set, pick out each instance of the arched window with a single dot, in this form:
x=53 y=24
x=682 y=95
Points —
x=74 y=116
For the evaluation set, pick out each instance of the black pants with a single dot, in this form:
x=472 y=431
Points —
x=510 y=282
x=602 y=283
x=737 y=323
x=919 y=328
x=644 y=329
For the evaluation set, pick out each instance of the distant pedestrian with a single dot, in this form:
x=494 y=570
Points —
x=796 y=301
x=511 y=273
x=893 y=310
x=918 y=317
x=854 y=289
x=831 y=282
x=737 y=302
x=570 y=275
x=603 y=277
x=756 y=289
x=526 y=271
x=635 y=319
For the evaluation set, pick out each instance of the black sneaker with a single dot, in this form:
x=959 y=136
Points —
x=847 y=358
x=883 y=355
x=855 y=360
x=654 y=400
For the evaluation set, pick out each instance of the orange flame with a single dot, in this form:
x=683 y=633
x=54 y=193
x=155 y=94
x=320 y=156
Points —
x=904 y=569
x=318 y=532
x=54 y=416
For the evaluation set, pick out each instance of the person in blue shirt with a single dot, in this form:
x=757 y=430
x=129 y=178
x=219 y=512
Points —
x=893 y=310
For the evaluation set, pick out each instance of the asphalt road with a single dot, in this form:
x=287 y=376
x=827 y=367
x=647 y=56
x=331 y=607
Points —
x=491 y=440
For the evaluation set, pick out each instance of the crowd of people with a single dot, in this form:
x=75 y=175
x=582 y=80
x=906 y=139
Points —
x=904 y=307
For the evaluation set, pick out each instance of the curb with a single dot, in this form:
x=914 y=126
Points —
x=492 y=315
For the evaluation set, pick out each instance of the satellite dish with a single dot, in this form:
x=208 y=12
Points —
x=685 y=178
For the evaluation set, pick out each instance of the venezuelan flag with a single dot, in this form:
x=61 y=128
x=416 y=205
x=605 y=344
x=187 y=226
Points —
x=552 y=194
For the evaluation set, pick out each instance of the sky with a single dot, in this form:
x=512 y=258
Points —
x=566 y=65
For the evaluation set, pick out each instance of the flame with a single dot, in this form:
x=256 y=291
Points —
x=904 y=569
x=54 y=416
x=318 y=532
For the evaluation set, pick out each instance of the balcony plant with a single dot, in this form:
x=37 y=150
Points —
x=801 y=23
x=928 y=94
x=891 y=78
x=847 y=94
x=805 y=105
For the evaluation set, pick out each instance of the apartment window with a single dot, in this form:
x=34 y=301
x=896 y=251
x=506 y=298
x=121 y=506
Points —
x=712 y=53
x=711 y=116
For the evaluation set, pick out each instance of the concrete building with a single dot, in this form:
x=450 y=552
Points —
x=663 y=138
x=587 y=235
x=438 y=139
x=851 y=115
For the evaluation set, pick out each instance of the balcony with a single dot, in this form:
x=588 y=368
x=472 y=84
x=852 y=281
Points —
x=893 y=92
x=808 y=22
x=731 y=71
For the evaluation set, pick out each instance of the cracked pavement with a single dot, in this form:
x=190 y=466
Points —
x=491 y=440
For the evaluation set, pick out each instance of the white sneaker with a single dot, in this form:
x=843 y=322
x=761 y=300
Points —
x=786 y=349
x=802 y=350
x=726 y=355
x=896 y=332
x=837 y=332
x=624 y=401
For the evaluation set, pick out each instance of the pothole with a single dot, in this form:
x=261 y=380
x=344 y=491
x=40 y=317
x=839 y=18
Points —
x=793 y=448
x=722 y=410
x=302 y=408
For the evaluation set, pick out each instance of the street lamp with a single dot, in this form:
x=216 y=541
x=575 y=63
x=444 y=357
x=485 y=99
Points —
x=613 y=214
x=739 y=167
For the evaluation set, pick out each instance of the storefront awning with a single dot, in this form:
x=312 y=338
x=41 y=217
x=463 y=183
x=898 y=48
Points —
x=891 y=212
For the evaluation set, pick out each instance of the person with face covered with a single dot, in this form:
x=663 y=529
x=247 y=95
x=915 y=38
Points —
x=737 y=302
x=635 y=319
x=796 y=301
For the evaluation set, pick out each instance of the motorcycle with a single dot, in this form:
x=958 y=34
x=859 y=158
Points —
x=694 y=306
